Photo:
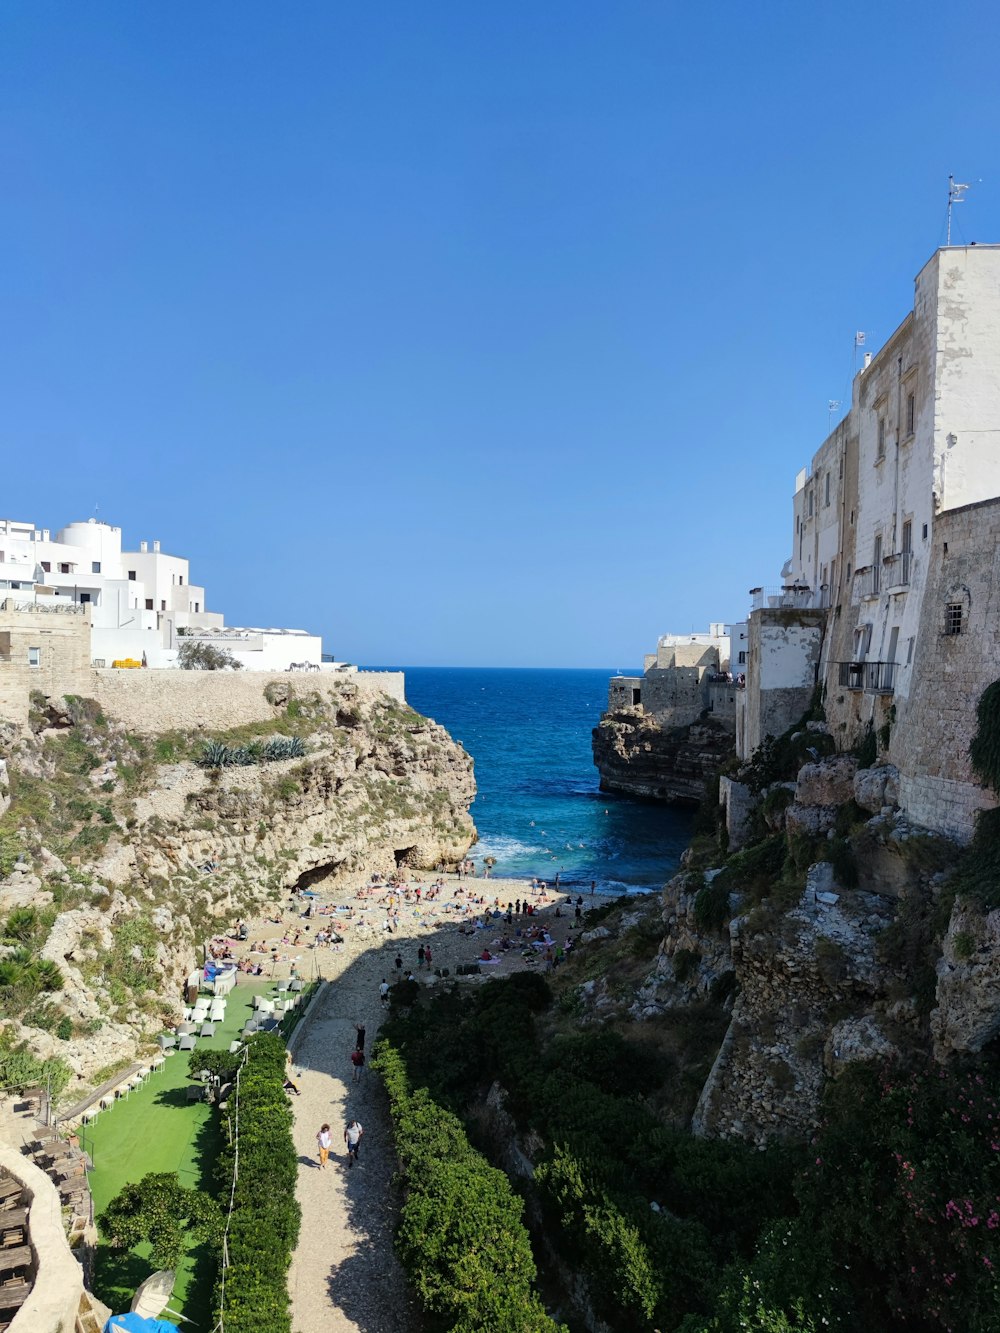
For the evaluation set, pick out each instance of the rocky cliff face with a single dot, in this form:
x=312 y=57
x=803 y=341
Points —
x=833 y=935
x=636 y=756
x=121 y=855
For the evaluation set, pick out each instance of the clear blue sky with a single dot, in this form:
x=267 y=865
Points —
x=464 y=332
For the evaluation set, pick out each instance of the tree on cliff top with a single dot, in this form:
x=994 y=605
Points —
x=194 y=655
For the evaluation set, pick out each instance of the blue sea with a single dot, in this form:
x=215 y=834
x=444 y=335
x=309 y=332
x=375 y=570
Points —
x=538 y=808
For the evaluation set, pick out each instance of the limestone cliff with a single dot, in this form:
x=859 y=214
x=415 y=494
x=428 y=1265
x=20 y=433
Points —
x=121 y=854
x=635 y=755
x=833 y=935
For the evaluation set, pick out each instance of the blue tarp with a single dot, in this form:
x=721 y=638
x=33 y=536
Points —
x=137 y=1323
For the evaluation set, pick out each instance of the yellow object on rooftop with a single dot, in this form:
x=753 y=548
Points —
x=126 y=662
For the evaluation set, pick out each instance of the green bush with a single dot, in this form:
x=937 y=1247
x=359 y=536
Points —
x=159 y=1211
x=252 y=1295
x=711 y=905
x=984 y=751
x=461 y=1236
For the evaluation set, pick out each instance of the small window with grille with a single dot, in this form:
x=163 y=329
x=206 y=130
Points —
x=953 y=618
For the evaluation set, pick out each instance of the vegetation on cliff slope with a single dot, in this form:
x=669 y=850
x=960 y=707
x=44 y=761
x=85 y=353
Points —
x=888 y=1220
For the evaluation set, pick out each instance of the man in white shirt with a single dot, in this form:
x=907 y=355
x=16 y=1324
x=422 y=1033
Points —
x=353 y=1135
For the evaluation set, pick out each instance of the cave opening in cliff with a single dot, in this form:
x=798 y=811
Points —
x=317 y=874
x=402 y=855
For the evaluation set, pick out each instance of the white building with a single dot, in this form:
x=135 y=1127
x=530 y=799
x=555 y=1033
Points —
x=142 y=603
x=894 y=549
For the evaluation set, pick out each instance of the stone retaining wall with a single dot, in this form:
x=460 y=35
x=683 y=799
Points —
x=154 y=701
x=55 y=1296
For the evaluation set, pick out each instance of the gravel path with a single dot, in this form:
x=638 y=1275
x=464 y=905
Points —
x=345 y=1274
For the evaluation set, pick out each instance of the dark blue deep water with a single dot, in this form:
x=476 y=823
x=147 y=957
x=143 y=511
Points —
x=539 y=809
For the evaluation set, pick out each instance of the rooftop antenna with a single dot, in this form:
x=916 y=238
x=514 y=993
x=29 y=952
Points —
x=831 y=408
x=956 y=195
x=860 y=338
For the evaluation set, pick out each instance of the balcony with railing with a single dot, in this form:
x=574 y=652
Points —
x=896 y=570
x=872 y=677
x=867 y=583
x=797 y=596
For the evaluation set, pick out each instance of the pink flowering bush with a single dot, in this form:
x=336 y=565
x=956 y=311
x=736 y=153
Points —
x=904 y=1191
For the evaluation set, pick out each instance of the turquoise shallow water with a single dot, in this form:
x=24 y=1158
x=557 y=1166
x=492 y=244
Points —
x=538 y=808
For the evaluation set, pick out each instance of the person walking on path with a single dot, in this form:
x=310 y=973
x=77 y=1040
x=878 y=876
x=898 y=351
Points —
x=421 y=955
x=383 y=992
x=358 y=1061
x=353 y=1135
x=359 y=1028
x=323 y=1141
x=399 y=962
x=427 y=957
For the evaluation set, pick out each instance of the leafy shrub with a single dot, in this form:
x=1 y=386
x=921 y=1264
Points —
x=984 y=751
x=252 y=1295
x=867 y=748
x=711 y=905
x=460 y=1237
x=196 y=655
x=160 y=1211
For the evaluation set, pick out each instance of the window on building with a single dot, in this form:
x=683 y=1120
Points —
x=953 y=618
x=810 y=504
x=34 y=657
x=197 y=607
x=826 y=490
x=85 y=597
x=47 y=566
x=877 y=564
x=880 y=451
x=95 y=566
x=163 y=606
x=131 y=575
x=180 y=579
x=743 y=658
x=64 y=568
x=909 y=650
x=911 y=413
x=924 y=533
x=848 y=571
x=149 y=603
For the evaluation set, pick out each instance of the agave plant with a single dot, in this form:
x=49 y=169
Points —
x=214 y=755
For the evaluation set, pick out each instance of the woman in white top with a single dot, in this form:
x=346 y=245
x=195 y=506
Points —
x=323 y=1141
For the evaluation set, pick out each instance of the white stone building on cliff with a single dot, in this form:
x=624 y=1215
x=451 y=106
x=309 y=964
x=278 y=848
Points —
x=141 y=604
x=688 y=675
x=891 y=597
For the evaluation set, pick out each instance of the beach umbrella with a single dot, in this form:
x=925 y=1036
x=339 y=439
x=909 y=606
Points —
x=154 y=1294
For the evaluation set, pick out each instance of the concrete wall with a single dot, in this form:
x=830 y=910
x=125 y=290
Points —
x=721 y=702
x=623 y=692
x=784 y=656
x=155 y=701
x=675 y=696
x=967 y=383
x=937 y=720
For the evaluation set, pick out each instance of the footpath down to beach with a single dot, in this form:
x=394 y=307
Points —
x=345 y=1275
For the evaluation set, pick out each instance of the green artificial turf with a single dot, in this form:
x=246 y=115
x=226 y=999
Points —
x=157 y=1129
